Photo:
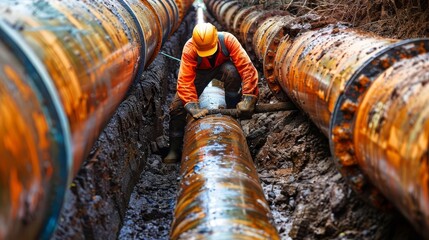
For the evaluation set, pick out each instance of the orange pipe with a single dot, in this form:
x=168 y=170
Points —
x=365 y=92
x=267 y=39
x=379 y=132
x=323 y=61
x=65 y=67
x=391 y=136
x=220 y=195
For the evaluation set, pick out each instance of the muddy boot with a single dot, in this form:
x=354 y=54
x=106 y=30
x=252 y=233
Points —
x=175 y=152
x=177 y=127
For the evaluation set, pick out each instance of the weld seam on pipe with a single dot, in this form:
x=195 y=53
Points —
x=165 y=37
x=142 y=60
x=351 y=95
x=44 y=85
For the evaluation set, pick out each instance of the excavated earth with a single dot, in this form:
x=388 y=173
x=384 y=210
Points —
x=125 y=191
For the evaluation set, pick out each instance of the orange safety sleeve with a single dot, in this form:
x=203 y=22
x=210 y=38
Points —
x=187 y=72
x=248 y=72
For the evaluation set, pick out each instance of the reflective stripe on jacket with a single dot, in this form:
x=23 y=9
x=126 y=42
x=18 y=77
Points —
x=238 y=56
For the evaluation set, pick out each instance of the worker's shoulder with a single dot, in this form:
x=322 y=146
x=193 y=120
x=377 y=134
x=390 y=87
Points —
x=229 y=37
x=189 y=47
x=227 y=34
x=189 y=43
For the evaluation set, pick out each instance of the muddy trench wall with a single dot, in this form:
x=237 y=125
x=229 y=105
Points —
x=97 y=199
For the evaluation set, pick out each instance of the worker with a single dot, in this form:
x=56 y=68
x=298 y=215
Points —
x=208 y=55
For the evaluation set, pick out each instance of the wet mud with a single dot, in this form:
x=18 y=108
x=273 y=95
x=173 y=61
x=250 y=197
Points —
x=124 y=190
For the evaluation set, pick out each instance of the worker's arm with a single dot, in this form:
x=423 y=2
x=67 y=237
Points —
x=187 y=72
x=185 y=82
x=244 y=65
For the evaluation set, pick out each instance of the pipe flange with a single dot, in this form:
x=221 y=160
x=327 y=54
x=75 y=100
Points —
x=181 y=13
x=158 y=24
x=210 y=7
x=223 y=13
x=215 y=8
x=164 y=7
x=340 y=130
x=230 y=18
x=254 y=25
x=269 y=58
x=176 y=24
x=141 y=34
x=241 y=15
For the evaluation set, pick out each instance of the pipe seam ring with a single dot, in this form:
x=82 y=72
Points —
x=54 y=112
x=341 y=135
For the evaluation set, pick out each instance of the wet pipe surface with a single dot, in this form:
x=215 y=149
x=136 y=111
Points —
x=371 y=108
x=64 y=69
x=220 y=196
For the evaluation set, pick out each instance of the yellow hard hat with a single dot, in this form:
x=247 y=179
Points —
x=205 y=39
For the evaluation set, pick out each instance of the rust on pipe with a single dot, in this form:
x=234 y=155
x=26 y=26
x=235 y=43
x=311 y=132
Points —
x=150 y=26
x=323 y=61
x=385 y=101
x=250 y=22
x=366 y=93
x=171 y=4
x=230 y=14
x=34 y=145
x=165 y=14
x=216 y=6
x=392 y=136
x=183 y=7
x=226 y=7
x=65 y=67
x=267 y=40
x=220 y=195
x=250 y=25
x=238 y=20
x=260 y=37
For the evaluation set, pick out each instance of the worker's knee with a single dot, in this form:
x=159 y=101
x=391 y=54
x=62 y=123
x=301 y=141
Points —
x=230 y=77
x=230 y=71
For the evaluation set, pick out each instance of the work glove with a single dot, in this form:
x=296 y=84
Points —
x=194 y=109
x=246 y=106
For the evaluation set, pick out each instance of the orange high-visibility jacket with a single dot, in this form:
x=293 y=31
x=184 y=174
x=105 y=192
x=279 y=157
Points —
x=238 y=56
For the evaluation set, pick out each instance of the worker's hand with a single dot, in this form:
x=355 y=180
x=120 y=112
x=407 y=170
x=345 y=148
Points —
x=194 y=109
x=247 y=105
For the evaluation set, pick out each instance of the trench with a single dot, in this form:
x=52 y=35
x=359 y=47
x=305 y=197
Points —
x=124 y=191
x=308 y=197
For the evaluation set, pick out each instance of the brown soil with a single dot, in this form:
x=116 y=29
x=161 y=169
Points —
x=308 y=197
x=388 y=18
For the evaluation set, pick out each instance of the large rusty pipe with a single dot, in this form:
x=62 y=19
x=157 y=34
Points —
x=391 y=136
x=334 y=54
x=368 y=94
x=64 y=68
x=329 y=74
x=220 y=195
